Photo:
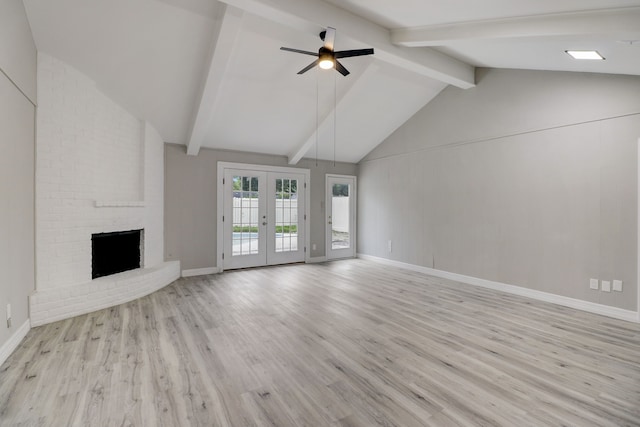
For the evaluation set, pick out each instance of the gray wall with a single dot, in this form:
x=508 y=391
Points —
x=191 y=194
x=17 y=50
x=529 y=179
x=17 y=136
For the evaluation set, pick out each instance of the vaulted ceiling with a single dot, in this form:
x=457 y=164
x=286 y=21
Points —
x=210 y=73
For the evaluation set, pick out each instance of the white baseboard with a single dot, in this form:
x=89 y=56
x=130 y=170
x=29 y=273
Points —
x=14 y=341
x=216 y=270
x=200 y=271
x=591 y=307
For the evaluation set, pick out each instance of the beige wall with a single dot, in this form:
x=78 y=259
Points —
x=191 y=194
x=530 y=179
x=17 y=116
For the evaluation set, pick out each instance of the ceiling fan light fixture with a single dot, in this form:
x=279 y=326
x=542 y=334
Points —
x=326 y=61
x=585 y=54
x=327 y=57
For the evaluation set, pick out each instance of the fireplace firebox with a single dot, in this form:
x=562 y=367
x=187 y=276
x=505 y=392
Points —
x=116 y=252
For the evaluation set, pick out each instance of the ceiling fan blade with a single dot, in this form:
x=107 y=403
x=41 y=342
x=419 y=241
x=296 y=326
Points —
x=340 y=68
x=329 y=38
x=355 y=52
x=306 y=52
x=310 y=66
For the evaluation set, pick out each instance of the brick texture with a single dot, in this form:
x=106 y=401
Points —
x=98 y=169
x=62 y=303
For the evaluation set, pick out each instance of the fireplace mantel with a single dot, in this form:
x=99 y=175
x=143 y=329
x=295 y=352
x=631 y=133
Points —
x=120 y=204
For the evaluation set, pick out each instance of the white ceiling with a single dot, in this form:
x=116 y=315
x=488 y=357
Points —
x=417 y=13
x=210 y=74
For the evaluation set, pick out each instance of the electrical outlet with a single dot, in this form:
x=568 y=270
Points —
x=606 y=286
x=390 y=246
x=313 y=246
x=593 y=284
x=617 y=285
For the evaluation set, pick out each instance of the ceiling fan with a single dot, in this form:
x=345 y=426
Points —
x=327 y=57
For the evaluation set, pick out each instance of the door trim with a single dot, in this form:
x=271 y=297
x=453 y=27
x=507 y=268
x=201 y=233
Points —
x=263 y=168
x=353 y=214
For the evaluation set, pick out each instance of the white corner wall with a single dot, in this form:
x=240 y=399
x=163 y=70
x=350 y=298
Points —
x=153 y=197
x=529 y=179
x=17 y=145
x=88 y=149
x=99 y=169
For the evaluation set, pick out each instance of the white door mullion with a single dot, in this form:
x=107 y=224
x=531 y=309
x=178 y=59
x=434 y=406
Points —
x=263 y=221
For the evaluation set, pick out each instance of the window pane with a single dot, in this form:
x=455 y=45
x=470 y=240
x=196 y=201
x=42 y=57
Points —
x=340 y=233
x=245 y=230
x=286 y=227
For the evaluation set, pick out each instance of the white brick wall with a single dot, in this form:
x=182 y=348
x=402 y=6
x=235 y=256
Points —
x=90 y=151
x=154 y=197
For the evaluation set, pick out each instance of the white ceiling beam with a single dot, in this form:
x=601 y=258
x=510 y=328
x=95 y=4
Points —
x=363 y=83
x=610 y=21
x=309 y=15
x=221 y=50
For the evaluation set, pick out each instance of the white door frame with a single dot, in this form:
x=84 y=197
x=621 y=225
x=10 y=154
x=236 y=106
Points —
x=353 y=214
x=220 y=203
x=638 y=230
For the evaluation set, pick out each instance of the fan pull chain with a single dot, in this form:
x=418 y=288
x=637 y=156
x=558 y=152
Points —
x=335 y=116
x=317 y=108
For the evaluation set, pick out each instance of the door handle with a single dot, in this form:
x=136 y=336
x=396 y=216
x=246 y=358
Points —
x=264 y=222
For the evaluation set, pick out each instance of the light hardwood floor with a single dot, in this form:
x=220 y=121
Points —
x=348 y=343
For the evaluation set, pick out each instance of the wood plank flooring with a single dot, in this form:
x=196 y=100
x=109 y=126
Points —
x=350 y=343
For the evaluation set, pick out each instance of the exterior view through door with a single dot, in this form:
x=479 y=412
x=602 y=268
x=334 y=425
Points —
x=341 y=216
x=263 y=221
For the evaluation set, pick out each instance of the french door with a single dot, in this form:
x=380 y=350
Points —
x=341 y=216
x=263 y=220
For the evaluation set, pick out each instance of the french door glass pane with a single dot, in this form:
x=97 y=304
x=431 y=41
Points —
x=245 y=215
x=286 y=205
x=340 y=232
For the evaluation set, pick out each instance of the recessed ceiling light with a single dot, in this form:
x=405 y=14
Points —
x=585 y=54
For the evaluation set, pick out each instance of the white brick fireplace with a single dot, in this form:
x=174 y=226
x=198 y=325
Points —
x=98 y=169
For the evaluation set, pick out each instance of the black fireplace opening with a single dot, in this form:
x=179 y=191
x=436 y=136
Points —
x=113 y=253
